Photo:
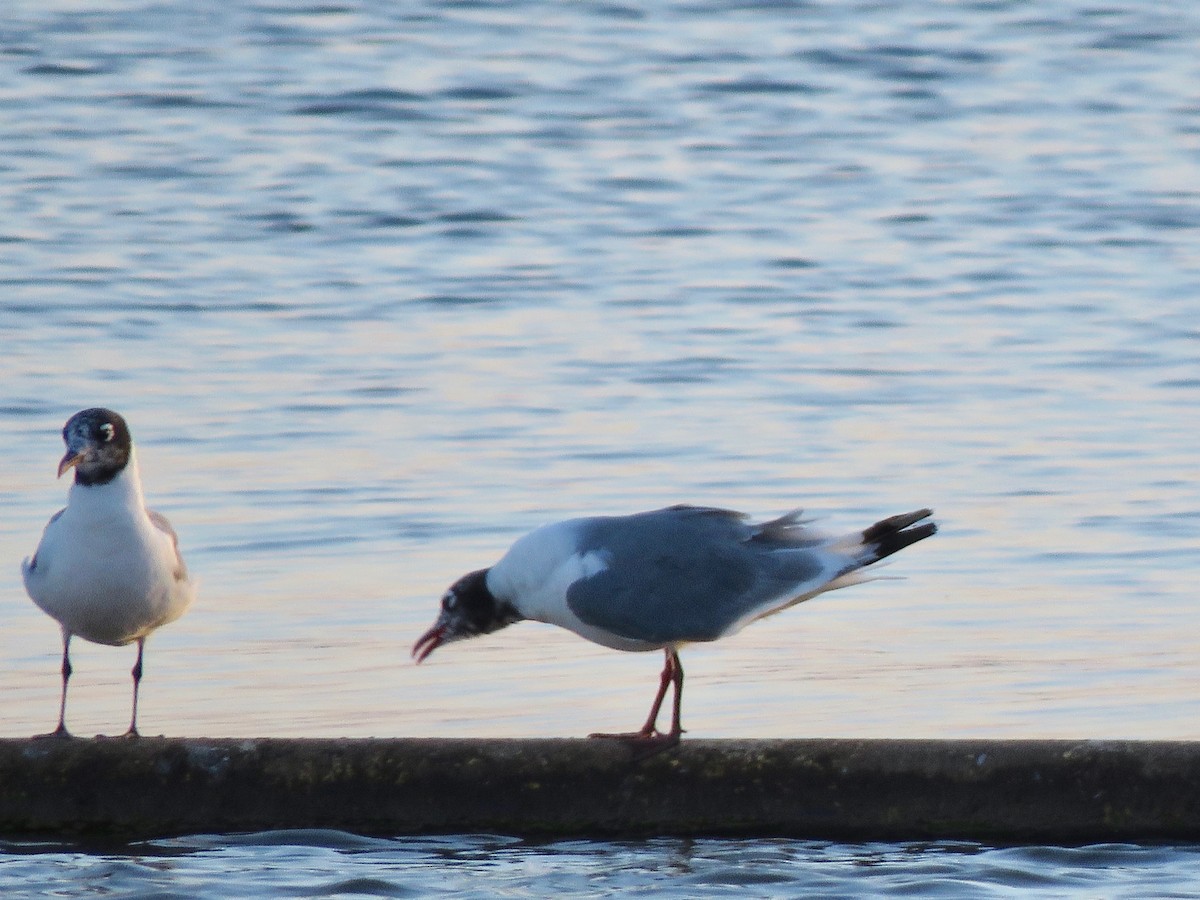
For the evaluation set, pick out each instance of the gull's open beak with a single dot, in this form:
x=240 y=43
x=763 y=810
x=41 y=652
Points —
x=72 y=459
x=429 y=641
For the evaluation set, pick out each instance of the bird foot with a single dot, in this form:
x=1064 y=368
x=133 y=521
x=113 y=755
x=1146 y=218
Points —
x=59 y=734
x=644 y=744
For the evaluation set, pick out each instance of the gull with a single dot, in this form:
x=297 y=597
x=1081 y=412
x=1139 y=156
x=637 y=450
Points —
x=660 y=580
x=107 y=568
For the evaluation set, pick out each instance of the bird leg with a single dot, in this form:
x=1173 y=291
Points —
x=649 y=740
x=137 y=680
x=670 y=666
x=61 y=730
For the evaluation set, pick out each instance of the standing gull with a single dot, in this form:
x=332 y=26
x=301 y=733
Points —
x=662 y=579
x=107 y=568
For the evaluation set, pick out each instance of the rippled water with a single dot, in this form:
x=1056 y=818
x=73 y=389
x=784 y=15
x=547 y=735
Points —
x=333 y=864
x=380 y=286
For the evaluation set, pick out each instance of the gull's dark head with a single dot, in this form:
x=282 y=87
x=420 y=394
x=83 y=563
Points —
x=98 y=446
x=468 y=609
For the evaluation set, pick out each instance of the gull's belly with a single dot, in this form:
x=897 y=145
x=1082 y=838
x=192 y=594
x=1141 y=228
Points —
x=110 y=588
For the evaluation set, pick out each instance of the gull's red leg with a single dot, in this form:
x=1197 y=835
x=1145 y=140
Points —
x=137 y=681
x=667 y=676
x=649 y=740
x=61 y=730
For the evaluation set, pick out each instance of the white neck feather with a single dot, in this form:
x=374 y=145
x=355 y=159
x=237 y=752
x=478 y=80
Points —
x=121 y=495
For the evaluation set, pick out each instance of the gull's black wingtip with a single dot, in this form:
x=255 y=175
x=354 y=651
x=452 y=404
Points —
x=893 y=534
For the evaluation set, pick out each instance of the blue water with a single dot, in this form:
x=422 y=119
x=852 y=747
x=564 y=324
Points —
x=380 y=286
x=335 y=864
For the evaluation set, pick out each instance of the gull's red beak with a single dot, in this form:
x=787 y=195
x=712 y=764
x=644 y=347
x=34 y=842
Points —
x=428 y=642
x=71 y=460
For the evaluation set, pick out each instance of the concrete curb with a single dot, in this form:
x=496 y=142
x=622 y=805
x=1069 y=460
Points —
x=999 y=791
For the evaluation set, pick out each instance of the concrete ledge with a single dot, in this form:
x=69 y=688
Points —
x=1003 y=791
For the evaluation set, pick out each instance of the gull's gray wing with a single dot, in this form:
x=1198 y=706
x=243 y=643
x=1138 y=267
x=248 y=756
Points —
x=30 y=565
x=160 y=522
x=684 y=573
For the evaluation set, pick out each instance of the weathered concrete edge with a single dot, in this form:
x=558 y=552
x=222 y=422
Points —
x=1001 y=791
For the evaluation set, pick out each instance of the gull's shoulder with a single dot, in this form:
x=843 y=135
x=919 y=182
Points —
x=159 y=521
x=163 y=524
x=29 y=564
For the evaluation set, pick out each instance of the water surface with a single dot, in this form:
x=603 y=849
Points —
x=335 y=864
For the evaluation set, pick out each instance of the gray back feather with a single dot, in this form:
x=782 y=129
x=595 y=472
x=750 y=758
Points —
x=30 y=565
x=686 y=573
x=160 y=522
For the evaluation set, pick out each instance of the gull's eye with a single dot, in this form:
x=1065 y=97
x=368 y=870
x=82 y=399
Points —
x=450 y=601
x=107 y=431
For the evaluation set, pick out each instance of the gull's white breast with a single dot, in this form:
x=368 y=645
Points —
x=104 y=570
